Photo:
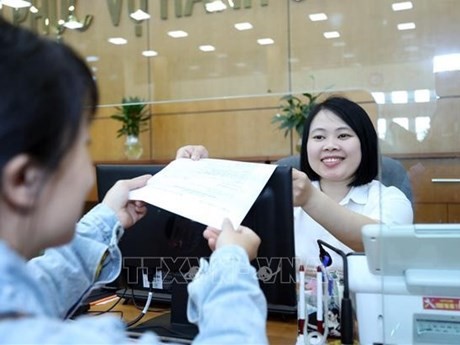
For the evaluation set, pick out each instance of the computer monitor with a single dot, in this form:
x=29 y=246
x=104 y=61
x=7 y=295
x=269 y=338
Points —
x=159 y=240
x=169 y=247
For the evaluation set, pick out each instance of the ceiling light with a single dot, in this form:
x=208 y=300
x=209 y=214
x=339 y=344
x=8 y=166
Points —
x=92 y=58
x=402 y=121
x=243 y=26
x=316 y=17
x=16 y=3
x=177 y=34
x=422 y=126
x=379 y=97
x=215 y=6
x=331 y=34
x=406 y=26
x=265 y=41
x=117 y=40
x=448 y=62
x=399 y=97
x=140 y=15
x=401 y=6
x=422 y=96
x=72 y=23
x=149 y=53
x=381 y=128
x=207 y=48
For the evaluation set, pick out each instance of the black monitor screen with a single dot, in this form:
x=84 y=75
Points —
x=166 y=247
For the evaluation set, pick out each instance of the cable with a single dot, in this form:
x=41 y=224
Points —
x=146 y=307
x=133 y=299
x=113 y=305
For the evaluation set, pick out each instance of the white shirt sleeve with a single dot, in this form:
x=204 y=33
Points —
x=388 y=205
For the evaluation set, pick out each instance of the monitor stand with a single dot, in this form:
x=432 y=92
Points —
x=173 y=326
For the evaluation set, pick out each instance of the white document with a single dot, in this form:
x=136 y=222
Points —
x=206 y=190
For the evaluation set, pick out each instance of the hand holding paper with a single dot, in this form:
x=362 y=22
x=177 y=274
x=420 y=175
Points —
x=207 y=190
x=241 y=236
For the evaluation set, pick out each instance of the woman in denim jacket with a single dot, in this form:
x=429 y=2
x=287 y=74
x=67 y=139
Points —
x=48 y=96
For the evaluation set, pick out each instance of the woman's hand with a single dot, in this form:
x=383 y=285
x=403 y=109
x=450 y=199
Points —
x=128 y=211
x=301 y=188
x=243 y=237
x=194 y=152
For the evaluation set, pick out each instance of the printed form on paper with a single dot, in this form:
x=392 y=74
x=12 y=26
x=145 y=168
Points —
x=206 y=190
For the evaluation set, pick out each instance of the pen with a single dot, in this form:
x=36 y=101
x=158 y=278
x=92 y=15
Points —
x=319 y=299
x=301 y=303
x=330 y=284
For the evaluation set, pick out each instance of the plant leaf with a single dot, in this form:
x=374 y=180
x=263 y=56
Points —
x=133 y=114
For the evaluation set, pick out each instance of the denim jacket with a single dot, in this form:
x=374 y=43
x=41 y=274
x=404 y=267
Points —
x=37 y=296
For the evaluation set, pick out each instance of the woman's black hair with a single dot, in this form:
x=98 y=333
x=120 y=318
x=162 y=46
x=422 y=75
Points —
x=357 y=118
x=46 y=89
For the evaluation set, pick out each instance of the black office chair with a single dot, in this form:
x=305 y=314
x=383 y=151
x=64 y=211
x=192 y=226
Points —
x=392 y=173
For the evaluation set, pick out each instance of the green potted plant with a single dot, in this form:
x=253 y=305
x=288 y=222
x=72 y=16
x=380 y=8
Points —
x=294 y=111
x=133 y=114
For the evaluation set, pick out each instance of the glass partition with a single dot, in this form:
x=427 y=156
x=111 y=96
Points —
x=213 y=73
x=195 y=50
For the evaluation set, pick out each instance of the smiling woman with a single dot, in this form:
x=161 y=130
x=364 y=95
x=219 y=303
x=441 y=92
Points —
x=327 y=134
x=336 y=190
x=329 y=128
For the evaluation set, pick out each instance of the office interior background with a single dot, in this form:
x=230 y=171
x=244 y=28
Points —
x=213 y=73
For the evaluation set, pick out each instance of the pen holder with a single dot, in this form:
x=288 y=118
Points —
x=332 y=289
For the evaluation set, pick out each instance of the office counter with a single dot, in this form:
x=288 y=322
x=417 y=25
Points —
x=280 y=331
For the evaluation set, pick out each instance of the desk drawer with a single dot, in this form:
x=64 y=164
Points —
x=435 y=180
